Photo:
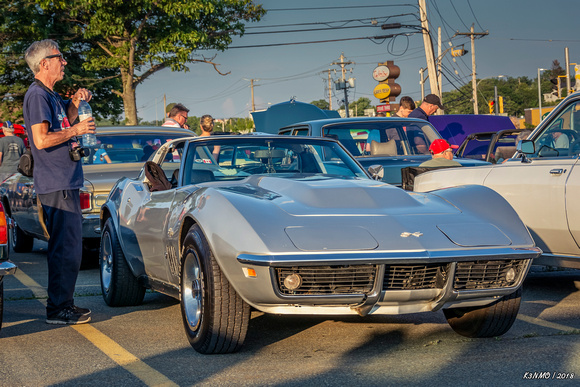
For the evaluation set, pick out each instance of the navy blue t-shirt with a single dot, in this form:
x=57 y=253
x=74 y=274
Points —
x=53 y=168
x=419 y=113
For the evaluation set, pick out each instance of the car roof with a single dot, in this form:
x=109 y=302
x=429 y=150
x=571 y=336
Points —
x=144 y=130
x=345 y=120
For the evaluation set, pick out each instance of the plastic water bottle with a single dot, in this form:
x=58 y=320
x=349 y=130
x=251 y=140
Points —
x=85 y=111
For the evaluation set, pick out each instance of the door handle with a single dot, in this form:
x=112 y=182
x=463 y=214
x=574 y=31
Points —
x=557 y=171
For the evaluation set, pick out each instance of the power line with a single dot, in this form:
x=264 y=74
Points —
x=341 y=7
x=318 y=41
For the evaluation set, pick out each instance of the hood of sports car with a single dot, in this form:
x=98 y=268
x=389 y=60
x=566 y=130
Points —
x=324 y=214
x=328 y=196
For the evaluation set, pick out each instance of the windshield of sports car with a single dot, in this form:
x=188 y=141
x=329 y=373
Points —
x=384 y=138
x=126 y=148
x=243 y=156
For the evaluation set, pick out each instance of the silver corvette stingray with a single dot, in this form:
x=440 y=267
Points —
x=294 y=225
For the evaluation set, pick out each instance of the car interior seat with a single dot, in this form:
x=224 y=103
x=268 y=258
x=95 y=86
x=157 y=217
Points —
x=388 y=148
x=155 y=177
x=201 y=176
x=504 y=152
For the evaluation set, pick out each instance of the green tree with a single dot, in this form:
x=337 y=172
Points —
x=321 y=104
x=23 y=22
x=135 y=39
x=357 y=108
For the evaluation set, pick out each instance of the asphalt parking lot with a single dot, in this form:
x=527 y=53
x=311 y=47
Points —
x=146 y=345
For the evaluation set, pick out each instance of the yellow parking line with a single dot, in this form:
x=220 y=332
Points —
x=124 y=358
x=114 y=351
x=37 y=290
x=544 y=323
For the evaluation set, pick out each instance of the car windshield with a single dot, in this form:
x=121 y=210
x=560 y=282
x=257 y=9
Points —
x=243 y=156
x=384 y=138
x=125 y=148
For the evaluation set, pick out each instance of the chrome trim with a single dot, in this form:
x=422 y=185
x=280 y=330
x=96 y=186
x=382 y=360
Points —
x=374 y=296
x=387 y=257
x=7 y=268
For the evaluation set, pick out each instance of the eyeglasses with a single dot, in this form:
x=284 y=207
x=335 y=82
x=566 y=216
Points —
x=61 y=58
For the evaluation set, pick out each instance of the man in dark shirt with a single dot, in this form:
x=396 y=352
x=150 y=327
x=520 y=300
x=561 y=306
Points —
x=11 y=148
x=57 y=177
x=428 y=107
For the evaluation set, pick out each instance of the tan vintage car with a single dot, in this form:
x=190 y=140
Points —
x=541 y=182
x=120 y=152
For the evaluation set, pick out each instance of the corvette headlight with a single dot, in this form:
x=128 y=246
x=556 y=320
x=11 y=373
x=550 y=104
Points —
x=510 y=276
x=292 y=281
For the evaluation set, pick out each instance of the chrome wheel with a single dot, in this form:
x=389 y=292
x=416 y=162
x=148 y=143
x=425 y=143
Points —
x=106 y=261
x=192 y=291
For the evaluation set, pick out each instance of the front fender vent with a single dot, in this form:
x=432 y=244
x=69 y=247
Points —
x=325 y=280
x=407 y=277
x=489 y=274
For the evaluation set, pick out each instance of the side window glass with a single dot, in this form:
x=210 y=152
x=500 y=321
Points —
x=560 y=138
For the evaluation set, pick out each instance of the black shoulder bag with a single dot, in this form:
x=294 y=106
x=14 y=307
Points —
x=26 y=163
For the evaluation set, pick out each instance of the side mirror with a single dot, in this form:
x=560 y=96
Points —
x=377 y=172
x=526 y=147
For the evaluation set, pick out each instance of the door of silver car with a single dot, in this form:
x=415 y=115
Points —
x=538 y=189
x=572 y=202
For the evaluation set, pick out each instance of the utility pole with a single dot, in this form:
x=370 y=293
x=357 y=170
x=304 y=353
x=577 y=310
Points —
x=329 y=88
x=343 y=84
x=252 y=88
x=568 y=87
x=439 y=59
x=473 y=34
x=164 y=107
x=431 y=71
x=422 y=82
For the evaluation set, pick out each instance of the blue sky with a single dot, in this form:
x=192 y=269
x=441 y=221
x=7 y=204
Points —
x=524 y=35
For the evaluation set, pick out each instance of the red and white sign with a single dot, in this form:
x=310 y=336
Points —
x=381 y=73
x=383 y=108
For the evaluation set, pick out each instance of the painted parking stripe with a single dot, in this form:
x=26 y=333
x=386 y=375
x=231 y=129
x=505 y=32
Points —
x=122 y=357
x=37 y=290
x=110 y=348
x=544 y=323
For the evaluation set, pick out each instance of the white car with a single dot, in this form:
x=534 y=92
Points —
x=541 y=182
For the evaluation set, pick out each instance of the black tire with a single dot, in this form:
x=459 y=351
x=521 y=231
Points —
x=118 y=284
x=487 y=321
x=21 y=242
x=215 y=317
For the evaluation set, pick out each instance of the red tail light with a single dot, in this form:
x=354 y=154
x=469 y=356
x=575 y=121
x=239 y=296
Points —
x=3 y=227
x=85 y=201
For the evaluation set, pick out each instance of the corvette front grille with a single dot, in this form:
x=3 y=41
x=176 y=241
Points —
x=325 y=280
x=405 y=277
x=488 y=274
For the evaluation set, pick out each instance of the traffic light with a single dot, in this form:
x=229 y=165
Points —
x=491 y=106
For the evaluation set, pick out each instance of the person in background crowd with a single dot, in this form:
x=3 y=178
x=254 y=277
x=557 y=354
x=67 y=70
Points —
x=58 y=175
x=428 y=107
x=442 y=155
x=406 y=106
x=177 y=117
x=206 y=125
x=11 y=148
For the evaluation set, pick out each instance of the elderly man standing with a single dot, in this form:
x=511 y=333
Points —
x=428 y=107
x=58 y=175
x=442 y=155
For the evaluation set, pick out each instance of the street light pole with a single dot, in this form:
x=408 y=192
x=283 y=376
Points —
x=540 y=94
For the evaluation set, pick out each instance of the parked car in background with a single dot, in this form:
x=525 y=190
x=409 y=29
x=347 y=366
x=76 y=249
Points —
x=392 y=142
x=494 y=147
x=6 y=267
x=542 y=183
x=456 y=127
x=294 y=225
x=120 y=151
